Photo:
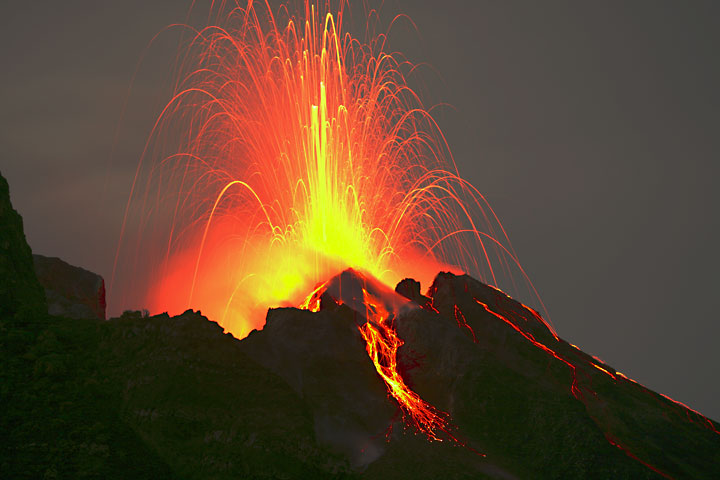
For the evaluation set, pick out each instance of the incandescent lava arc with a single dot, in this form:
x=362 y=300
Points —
x=289 y=151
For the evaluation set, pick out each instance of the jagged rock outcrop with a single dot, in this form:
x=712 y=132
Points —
x=322 y=357
x=70 y=291
x=20 y=292
x=410 y=289
x=176 y=397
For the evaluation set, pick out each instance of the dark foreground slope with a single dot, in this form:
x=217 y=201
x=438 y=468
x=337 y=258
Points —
x=161 y=397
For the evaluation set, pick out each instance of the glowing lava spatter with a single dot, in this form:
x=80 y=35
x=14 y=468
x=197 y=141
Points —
x=291 y=150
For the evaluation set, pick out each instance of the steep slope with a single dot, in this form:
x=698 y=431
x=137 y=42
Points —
x=20 y=292
x=536 y=406
x=559 y=393
x=135 y=397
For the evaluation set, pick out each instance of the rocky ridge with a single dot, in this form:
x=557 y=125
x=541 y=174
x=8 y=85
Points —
x=70 y=291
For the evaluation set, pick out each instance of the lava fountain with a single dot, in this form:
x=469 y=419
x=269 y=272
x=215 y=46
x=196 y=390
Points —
x=289 y=151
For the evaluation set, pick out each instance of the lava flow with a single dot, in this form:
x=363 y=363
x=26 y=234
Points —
x=382 y=343
x=376 y=307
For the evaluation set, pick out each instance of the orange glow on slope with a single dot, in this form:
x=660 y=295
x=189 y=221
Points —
x=376 y=306
x=462 y=323
x=576 y=389
x=290 y=151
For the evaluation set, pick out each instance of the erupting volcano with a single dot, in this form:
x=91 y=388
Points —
x=265 y=316
x=290 y=151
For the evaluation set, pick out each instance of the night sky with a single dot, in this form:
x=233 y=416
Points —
x=591 y=128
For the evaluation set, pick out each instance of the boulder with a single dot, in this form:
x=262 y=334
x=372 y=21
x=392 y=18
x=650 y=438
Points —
x=410 y=288
x=70 y=291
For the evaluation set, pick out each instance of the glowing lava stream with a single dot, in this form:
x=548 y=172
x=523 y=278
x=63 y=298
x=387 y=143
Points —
x=377 y=306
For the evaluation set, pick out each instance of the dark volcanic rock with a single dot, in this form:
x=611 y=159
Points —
x=20 y=292
x=71 y=291
x=150 y=398
x=175 y=397
x=410 y=289
x=322 y=357
x=507 y=398
x=449 y=291
x=538 y=407
x=205 y=407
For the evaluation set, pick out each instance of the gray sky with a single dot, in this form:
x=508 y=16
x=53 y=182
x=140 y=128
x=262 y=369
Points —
x=591 y=127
